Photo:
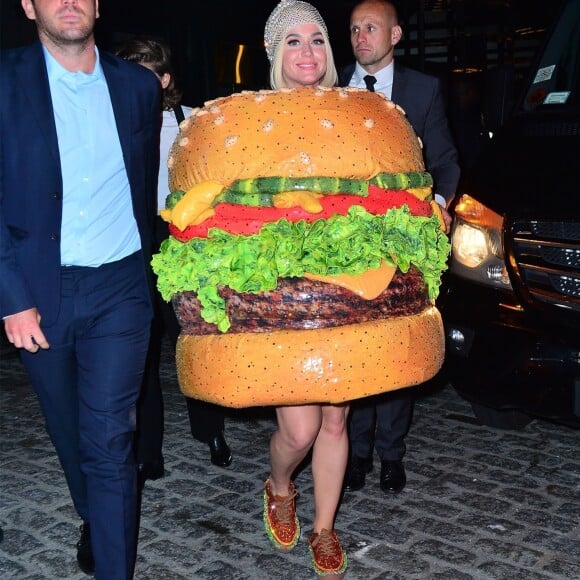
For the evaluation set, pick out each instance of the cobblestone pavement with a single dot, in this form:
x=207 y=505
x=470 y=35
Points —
x=479 y=503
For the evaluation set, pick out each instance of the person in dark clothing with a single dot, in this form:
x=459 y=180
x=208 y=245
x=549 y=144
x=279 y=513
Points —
x=382 y=422
x=206 y=420
x=79 y=160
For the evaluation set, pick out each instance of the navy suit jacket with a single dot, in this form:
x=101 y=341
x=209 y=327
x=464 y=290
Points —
x=420 y=97
x=31 y=187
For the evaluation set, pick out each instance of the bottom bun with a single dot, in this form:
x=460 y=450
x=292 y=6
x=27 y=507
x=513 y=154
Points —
x=297 y=367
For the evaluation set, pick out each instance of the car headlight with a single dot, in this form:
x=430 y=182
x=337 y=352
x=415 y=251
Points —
x=476 y=247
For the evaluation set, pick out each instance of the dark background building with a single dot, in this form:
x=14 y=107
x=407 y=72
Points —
x=480 y=49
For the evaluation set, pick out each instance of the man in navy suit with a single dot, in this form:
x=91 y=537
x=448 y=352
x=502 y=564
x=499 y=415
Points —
x=382 y=422
x=79 y=163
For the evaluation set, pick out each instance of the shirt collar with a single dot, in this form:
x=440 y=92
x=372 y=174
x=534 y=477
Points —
x=384 y=76
x=57 y=72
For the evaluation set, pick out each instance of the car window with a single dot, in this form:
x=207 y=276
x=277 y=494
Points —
x=555 y=81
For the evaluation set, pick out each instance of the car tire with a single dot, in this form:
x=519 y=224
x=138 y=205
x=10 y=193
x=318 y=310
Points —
x=508 y=420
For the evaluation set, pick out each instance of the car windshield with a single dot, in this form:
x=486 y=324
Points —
x=556 y=79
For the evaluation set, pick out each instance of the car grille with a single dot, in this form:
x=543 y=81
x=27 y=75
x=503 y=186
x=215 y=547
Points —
x=546 y=261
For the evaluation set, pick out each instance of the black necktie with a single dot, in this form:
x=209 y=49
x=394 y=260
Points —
x=370 y=81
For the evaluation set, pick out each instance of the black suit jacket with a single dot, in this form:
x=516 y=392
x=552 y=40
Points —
x=420 y=97
x=31 y=186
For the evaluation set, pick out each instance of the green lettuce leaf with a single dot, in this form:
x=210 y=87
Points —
x=349 y=244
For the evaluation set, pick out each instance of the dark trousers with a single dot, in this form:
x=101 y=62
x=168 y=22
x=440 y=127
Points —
x=87 y=384
x=381 y=422
x=150 y=408
x=206 y=420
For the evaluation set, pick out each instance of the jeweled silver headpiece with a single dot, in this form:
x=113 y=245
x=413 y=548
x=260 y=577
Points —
x=287 y=14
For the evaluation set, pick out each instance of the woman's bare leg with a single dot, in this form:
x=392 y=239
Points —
x=298 y=428
x=329 y=458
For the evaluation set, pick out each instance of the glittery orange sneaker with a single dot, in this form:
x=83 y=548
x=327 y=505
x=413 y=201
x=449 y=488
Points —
x=328 y=556
x=280 y=520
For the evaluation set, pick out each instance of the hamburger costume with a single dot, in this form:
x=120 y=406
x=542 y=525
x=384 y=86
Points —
x=305 y=251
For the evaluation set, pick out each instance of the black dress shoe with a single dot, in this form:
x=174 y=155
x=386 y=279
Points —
x=393 y=478
x=356 y=471
x=151 y=470
x=220 y=452
x=85 y=551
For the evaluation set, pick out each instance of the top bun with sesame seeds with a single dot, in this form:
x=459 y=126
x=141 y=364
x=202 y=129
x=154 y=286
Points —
x=305 y=249
x=298 y=132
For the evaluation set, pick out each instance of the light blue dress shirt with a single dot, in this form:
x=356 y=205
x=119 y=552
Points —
x=98 y=224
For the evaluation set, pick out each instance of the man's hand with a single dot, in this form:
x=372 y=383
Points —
x=23 y=330
x=447 y=219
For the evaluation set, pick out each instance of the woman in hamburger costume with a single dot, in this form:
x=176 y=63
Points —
x=299 y=51
x=304 y=258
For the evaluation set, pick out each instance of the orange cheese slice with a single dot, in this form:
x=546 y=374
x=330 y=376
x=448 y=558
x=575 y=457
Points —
x=195 y=206
x=368 y=285
x=307 y=200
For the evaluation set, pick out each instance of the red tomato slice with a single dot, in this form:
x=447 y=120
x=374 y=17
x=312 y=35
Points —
x=245 y=220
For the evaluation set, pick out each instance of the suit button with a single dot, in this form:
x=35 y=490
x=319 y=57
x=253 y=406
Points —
x=54 y=237
x=56 y=195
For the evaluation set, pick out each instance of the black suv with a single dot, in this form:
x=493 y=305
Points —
x=511 y=298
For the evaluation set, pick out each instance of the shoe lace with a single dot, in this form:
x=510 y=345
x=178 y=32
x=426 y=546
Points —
x=284 y=507
x=325 y=543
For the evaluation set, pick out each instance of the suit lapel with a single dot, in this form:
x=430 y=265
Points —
x=120 y=93
x=33 y=78
x=399 y=85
